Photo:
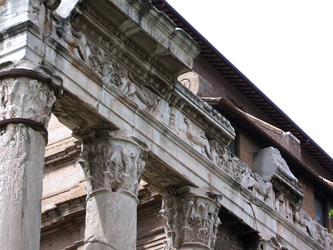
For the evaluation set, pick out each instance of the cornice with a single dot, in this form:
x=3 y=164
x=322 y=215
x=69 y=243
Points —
x=63 y=209
x=86 y=21
x=111 y=43
x=54 y=161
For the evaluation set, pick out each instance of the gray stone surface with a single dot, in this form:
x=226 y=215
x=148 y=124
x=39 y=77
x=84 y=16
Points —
x=190 y=218
x=120 y=60
x=113 y=167
x=268 y=161
x=111 y=221
x=25 y=101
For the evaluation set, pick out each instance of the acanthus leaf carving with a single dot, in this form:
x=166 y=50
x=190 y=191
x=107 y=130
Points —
x=113 y=165
x=190 y=219
x=23 y=97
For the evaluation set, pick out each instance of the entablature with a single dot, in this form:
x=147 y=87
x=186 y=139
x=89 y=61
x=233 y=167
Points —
x=118 y=64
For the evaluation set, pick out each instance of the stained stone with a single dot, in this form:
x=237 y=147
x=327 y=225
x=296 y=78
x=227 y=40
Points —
x=113 y=168
x=25 y=109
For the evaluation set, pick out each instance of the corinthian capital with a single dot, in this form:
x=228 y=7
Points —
x=190 y=218
x=27 y=96
x=113 y=164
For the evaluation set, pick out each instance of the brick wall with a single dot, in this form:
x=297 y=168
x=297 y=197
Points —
x=228 y=238
x=308 y=205
x=247 y=148
x=329 y=220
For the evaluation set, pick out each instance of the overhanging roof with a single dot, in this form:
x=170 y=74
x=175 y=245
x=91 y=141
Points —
x=245 y=86
x=241 y=119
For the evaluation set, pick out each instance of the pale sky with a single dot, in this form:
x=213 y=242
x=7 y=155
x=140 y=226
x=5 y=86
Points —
x=284 y=47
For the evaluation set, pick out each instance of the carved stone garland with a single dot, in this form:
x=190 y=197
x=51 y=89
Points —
x=26 y=100
x=113 y=168
x=190 y=219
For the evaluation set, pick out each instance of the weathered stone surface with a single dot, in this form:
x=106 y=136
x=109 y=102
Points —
x=270 y=165
x=268 y=161
x=111 y=221
x=196 y=84
x=26 y=99
x=21 y=174
x=113 y=166
x=120 y=60
x=190 y=218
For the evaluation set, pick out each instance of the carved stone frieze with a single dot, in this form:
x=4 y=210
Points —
x=217 y=126
x=119 y=62
x=271 y=166
x=317 y=232
x=172 y=119
x=112 y=164
x=253 y=182
x=70 y=36
x=126 y=40
x=190 y=218
x=81 y=24
x=221 y=156
x=114 y=73
x=240 y=172
x=196 y=136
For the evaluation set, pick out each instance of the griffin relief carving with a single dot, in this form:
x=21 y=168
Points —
x=72 y=37
x=196 y=136
x=146 y=96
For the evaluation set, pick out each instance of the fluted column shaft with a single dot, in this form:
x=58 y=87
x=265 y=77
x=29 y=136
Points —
x=190 y=218
x=113 y=168
x=26 y=100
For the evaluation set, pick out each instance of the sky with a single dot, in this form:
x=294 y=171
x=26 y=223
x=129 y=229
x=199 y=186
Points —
x=284 y=47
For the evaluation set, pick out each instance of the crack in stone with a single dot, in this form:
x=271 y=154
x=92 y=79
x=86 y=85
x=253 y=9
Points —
x=93 y=240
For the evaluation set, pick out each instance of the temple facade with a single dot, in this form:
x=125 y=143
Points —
x=123 y=128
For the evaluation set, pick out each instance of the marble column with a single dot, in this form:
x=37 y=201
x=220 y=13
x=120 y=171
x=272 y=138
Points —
x=113 y=166
x=26 y=100
x=190 y=218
